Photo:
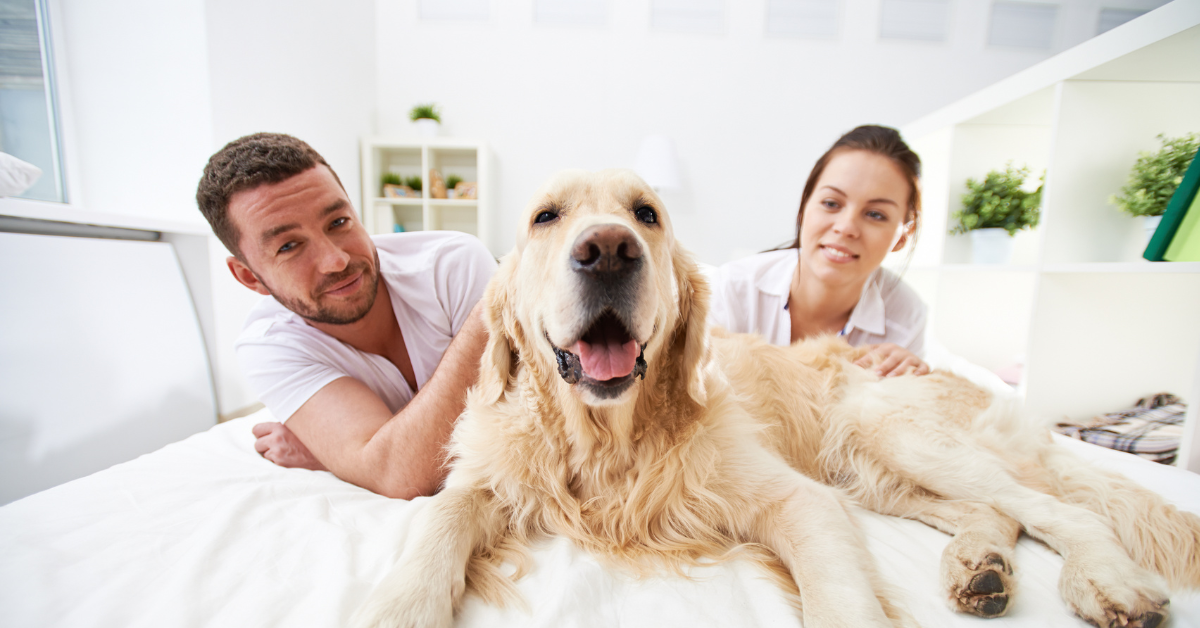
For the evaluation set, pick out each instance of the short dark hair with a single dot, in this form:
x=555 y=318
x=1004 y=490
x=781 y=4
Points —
x=244 y=164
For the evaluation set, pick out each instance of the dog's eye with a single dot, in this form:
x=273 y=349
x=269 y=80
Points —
x=545 y=216
x=646 y=214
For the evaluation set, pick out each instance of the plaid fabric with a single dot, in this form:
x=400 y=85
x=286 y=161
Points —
x=1152 y=428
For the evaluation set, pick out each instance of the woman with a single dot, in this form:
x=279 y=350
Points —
x=860 y=202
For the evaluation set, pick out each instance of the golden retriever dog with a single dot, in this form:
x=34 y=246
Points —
x=607 y=412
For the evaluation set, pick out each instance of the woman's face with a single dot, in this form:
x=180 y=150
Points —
x=855 y=216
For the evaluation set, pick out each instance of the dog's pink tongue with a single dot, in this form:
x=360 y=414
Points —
x=607 y=359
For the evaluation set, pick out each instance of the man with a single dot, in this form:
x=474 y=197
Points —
x=369 y=344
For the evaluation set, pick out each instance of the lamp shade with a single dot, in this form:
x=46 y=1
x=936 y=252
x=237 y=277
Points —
x=657 y=163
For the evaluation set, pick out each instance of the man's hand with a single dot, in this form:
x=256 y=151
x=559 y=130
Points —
x=279 y=445
x=891 y=360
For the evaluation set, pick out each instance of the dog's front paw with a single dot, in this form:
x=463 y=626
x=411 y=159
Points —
x=1115 y=598
x=979 y=586
x=392 y=605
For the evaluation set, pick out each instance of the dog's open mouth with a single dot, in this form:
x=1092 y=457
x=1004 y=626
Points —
x=605 y=355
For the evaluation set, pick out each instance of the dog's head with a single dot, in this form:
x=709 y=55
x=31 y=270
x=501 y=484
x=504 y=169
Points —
x=596 y=291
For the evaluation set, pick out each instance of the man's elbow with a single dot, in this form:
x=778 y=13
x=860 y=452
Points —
x=405 y=490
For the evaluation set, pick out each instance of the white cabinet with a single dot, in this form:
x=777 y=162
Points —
x=449 y=157
x=1096 y=325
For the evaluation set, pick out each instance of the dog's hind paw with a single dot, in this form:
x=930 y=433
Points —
x=1120 y=618
x=1126 y=598
x=982 y=587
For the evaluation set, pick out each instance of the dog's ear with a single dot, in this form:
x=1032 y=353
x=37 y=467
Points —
x=498 y=361
x=693 y=322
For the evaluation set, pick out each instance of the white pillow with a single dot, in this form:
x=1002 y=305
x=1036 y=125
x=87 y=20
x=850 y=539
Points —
x=16 y=176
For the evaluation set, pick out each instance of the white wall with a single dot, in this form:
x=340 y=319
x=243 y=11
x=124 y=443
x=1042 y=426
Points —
x=303 y=67
x=140 y=105
x=748 y=113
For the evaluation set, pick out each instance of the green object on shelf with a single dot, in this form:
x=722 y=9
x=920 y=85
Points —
x=1173 y=217
x=425 y=110
x=999 y=202
x=1185 y=246
x=397 y=228
x=1155 y=176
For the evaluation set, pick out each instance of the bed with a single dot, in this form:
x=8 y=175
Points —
x=205 y=532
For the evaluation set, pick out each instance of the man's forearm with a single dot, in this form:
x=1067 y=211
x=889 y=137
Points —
x=407 y=454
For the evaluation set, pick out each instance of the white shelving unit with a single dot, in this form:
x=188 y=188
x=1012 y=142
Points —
x=1097 y=326
x=448 y=156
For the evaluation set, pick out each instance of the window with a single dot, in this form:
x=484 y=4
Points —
x=916 y=20
x=694 y=16
x=1112 y=18
x=570 y=12
x=1023 y=25
x=28 y=113
x=803 y=18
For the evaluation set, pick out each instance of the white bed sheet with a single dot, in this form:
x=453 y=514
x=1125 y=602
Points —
x=204 y=532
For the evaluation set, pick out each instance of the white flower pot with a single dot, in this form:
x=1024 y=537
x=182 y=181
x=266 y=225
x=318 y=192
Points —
x=427 y=127
x=991 y=246
x=1150 y=224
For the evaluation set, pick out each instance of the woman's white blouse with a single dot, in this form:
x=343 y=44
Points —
x=750 y=296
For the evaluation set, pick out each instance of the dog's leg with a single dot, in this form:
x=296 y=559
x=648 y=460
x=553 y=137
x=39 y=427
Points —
x=1099 y=581
x=424 y=588
x=812 y=531
x=977 y=564
x=1157 y=535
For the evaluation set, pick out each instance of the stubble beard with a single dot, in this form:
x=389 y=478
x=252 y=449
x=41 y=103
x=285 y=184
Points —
x=312 y=311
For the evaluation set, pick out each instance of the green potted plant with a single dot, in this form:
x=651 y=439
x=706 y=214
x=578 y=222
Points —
x=1154 y=177
x=390 y=184
x=995 y=209
x=426 y=118
x=452 y=181
x=414 y=183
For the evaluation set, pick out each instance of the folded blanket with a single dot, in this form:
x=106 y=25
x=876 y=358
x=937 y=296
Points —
x=1152 y=428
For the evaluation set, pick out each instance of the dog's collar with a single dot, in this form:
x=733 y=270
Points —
x=571 y=370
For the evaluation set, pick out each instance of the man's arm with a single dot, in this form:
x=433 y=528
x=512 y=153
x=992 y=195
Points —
x=349 y=429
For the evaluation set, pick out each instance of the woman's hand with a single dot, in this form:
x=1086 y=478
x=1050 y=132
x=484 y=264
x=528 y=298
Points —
x=891 y=360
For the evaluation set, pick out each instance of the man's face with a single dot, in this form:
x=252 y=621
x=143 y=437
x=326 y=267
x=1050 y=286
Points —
x=303 y=244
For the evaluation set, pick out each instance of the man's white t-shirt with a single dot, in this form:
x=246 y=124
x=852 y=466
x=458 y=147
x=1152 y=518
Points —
x=750 y=296
x=434 y=279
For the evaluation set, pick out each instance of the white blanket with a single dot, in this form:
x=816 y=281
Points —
x=204 y=532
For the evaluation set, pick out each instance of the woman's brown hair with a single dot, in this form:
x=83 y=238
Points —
x=880 y=140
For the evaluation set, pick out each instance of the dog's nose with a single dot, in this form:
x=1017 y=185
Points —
x=606 y=249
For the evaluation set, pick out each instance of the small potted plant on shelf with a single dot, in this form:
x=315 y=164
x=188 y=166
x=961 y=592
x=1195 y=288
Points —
x=451 y=181
x=426 y=118
x=1153 y=179
x=995 y=209
x=392 y=186
x=414 y=183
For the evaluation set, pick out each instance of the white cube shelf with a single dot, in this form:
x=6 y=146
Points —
x=1096 y=325
x=466 y=159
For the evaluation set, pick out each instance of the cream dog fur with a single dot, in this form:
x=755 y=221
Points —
x=608 y=413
